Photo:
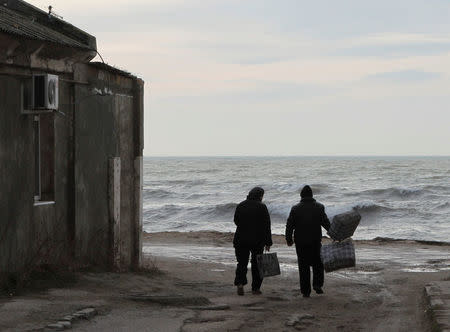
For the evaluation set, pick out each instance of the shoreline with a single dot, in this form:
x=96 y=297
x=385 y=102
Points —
x=371 y=255
x=189 y=292
x=279 y=239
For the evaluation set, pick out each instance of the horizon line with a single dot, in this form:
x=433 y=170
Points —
x=293 y=156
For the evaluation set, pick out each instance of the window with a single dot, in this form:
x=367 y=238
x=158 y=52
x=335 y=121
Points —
x=44 y=157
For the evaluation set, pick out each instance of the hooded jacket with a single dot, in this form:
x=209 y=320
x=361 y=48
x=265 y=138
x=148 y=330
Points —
x=306 y=220
x=253 y=224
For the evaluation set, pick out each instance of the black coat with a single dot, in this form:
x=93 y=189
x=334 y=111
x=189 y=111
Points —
x=306 y=220
x=253 y=225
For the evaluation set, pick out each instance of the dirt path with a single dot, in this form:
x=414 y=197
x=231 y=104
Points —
x=193 y=295
x=389 y=301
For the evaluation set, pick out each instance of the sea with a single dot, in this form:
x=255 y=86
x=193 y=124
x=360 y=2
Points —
x=397 y=197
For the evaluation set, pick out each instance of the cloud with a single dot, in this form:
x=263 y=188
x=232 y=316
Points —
x=392 y=45
x=405 y=75
x=395 y=38
x=337 y=62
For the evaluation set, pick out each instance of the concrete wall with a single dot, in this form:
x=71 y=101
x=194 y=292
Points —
x=95 y=142
x=126 y=153
x=89 y=130
x=16 y=176
x=30 y=232
x=110 y=122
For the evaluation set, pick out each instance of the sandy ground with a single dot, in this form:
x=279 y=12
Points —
x=182 y=291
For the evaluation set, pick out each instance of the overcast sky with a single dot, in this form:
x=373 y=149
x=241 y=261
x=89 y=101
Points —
x=284 y=77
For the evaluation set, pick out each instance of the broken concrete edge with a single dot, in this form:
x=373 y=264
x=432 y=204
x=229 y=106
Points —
x=299 y=319
x=59 y=326
x=88 y=312
x=66 y=321
x=55 y=326
x=433 y=305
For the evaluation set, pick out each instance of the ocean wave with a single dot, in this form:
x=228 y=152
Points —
x=284 y=187
x=393 y=192
x=177 y=211
x=156 y=193
x=388 y=239
x=219 y=210
x=178 y=182
x=370 y=208
x=437 y=187
x=363 y=208
x=194 y=196
x=225 y=208
x=435 y=177
x=443 y=206
x=150 y=194
x=278 y=210
x=162 y=212
x=319 y=188
x=210 y=170
x=281 y=211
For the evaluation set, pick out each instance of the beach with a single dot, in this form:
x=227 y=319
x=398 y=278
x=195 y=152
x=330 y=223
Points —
x=384 y=292
x=188 y=286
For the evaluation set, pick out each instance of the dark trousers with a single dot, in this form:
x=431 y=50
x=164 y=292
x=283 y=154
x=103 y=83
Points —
x=242 y=256
x=309 y=256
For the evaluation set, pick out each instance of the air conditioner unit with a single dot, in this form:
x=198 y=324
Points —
x=45 y=92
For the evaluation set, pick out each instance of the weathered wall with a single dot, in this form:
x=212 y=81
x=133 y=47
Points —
x=124 y=115
x=138 y=169
x=64 y=166
x=30 y=232
x=89 y=130
x=109 y=121
x=95 y=142
x=16 y=175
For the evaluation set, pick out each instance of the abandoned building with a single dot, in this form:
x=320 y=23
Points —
x=71 y=143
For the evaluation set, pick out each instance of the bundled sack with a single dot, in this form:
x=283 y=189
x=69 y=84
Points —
x=344 y=225
x=338 y=255
x=268 y=265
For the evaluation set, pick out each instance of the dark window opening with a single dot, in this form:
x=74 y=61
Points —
x=39 y=92
x=44 y=161
x=37 y=160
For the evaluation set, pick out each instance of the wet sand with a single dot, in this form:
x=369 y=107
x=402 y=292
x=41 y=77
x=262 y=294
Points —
x=189 y=287
x=384 y=292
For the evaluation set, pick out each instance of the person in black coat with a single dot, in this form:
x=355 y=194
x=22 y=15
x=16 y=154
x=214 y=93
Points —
x=253 y=234
x=306 y=220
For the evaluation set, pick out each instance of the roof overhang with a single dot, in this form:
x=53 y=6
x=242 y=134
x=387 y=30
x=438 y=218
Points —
x=37 y=32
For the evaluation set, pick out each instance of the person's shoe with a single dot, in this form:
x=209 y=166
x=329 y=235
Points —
x=256 y=292
x=240 y=290
x=305 y=295
x=318 y=290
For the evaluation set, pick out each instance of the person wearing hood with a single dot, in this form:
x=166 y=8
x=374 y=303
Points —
x=253 y=234
x=305 y=221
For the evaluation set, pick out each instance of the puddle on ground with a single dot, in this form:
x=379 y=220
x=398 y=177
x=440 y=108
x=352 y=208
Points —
x=420 y=269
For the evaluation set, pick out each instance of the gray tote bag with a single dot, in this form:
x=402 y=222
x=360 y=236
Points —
x=268 y=265
x=338 y=255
